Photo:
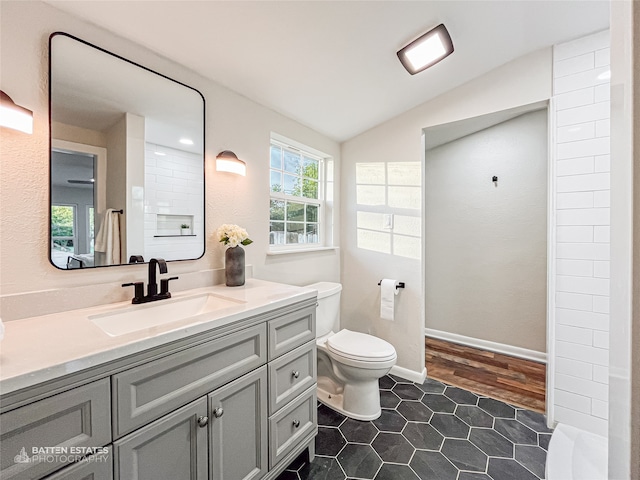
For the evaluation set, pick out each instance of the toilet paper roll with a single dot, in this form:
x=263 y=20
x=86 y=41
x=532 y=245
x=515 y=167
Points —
x=388 y=292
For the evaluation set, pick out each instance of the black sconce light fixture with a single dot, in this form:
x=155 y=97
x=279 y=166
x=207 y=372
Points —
x=227 y=161
x=14 y=116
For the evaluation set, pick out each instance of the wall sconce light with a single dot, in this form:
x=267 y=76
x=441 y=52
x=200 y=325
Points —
x=227 y=161
x=14 y=116
x=426 y=50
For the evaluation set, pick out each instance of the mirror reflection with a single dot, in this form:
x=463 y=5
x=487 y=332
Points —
x=127 y=161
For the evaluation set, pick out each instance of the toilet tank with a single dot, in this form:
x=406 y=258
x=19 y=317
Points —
x=328 y=311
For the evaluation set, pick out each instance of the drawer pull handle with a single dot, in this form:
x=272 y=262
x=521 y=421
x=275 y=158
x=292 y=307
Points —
x=296 y=423
x=218 y=412
x=295 y=373
x=203 y=421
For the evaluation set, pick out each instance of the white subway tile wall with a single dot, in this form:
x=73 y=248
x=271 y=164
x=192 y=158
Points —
x=581 y=75
x=174 y=186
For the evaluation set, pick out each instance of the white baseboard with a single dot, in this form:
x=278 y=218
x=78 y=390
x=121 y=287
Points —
x=417 y=377
x=487 y=345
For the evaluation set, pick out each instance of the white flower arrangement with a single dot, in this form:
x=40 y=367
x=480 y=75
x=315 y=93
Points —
x=233 y=235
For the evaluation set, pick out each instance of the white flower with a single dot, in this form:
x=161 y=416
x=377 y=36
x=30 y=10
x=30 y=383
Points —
x=233 y=235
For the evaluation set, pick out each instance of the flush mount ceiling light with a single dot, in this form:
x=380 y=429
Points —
x=426 y=50
x=14 y=116
x=186 y=141
x=227 y=161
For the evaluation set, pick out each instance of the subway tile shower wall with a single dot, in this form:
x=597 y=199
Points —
x=581 y=105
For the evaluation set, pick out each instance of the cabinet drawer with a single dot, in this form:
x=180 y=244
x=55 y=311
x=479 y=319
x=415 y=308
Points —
x=291 y=331
x=76 y=418
x=148 y=391
x=171 y=448
x=100 y=467
x=291 y=424
x=291 y=374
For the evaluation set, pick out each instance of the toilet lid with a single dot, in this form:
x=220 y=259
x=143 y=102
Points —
x=360 y=346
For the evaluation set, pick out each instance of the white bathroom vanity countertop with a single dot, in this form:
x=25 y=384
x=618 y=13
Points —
x=39 y=349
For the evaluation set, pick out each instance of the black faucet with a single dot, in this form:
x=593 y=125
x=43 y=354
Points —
x=152 y=286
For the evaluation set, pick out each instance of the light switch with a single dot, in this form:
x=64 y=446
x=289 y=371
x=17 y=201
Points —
x=387 y=221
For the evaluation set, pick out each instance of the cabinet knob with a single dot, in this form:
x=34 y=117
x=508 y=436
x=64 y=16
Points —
x=296 y=423
x=295 y=374
x=218 y=412
x=203 y=421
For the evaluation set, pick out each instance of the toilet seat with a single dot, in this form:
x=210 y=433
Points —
x=360 y=347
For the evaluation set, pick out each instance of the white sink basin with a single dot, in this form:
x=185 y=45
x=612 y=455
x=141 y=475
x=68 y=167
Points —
x=149 y=315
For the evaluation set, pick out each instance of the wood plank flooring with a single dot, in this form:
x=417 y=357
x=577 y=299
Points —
x=513 y=380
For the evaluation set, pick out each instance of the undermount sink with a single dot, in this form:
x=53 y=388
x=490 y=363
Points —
x=140 y=317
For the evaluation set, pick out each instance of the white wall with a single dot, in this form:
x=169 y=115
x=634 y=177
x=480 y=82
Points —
x=523 y=81
x=580 y=321
x=624 y=383
x=485 y=243
x=29 y=285
x=173 y=186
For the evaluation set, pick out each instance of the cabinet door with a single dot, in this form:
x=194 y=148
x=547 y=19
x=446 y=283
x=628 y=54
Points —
x=77 y=418
x=171 y=448
x=95 y=467
x=238 y=428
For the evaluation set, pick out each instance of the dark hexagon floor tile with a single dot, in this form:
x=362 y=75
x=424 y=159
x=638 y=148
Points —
x=473 y=476
x=299 y=461
x=393 y=447
x=449 y=425
x=415 y=411
x=438 y=403
x=388 y=399
x=288 y=475
x=460 y=396
x=357 y=431
x=423 y=436
x=432 y=386
x=398 y=379
x=386 y=382
x=474 y=416
x=491 y=442
x=408 y=391
x=515 y=431
x=328 y=417
x=322 y=468
x=464 y=455
x=508 y=469
x=389 y=471
x=329 y=441
x=433 y=465
x=532 y=457
x=497 y=408
x=534 y=420
x=359 y=461
x=543 y=440
x=390 y=421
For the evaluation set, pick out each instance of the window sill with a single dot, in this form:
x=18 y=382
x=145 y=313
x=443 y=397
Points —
x=300 y=250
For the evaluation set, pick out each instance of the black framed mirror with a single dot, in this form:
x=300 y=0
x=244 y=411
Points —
x=127 y=160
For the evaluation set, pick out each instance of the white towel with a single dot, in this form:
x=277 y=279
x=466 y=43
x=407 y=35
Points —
x=108 y=239
x=388 y=292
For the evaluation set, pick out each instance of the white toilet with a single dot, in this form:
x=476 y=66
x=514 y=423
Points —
x=349 y=363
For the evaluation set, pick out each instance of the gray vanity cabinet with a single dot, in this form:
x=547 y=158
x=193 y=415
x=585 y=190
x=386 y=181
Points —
x=62 y=425
x=175 y=446
x=233 y=403
x=238 y=428
x=95 y=469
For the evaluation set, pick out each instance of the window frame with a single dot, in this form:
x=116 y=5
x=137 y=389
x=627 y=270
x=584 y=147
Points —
x=284 y=197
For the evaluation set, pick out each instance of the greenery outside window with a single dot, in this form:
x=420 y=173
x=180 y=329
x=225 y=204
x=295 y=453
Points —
x=297 y=198
x=63 y=231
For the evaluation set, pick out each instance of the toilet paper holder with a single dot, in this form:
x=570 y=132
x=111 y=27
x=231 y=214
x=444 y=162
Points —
x=399 y=285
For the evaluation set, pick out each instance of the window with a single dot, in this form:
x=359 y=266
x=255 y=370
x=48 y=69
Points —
x=297 y=198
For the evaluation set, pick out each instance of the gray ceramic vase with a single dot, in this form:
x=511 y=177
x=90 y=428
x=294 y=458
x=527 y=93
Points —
x=234 y=266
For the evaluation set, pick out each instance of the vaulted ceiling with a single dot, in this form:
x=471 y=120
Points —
x=332 y=65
